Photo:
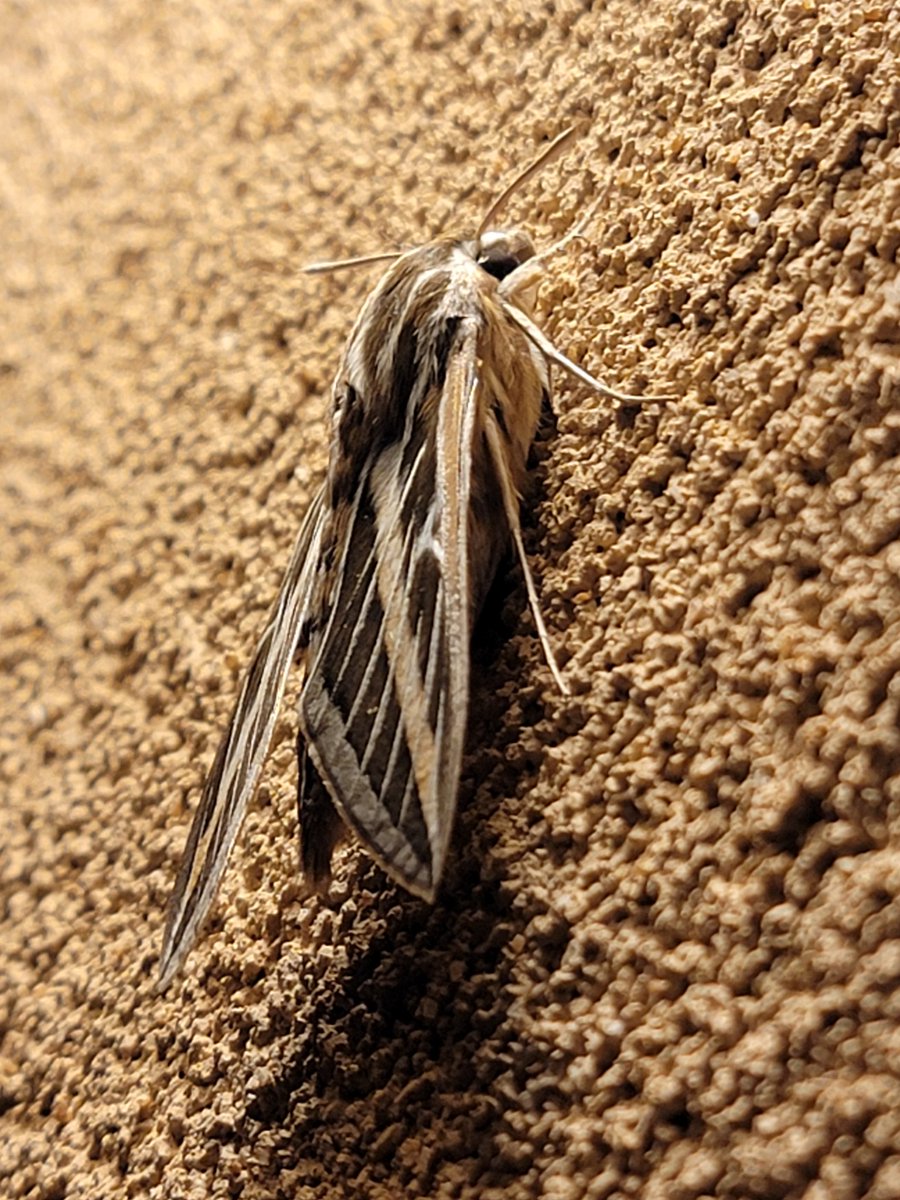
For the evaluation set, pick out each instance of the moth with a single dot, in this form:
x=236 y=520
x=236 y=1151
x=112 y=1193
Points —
x=434 y=408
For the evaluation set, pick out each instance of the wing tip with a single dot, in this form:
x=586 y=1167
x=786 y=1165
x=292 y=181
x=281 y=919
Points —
x=422 y=891
x=171 y=958
x=178 y=938
x=418 y=877
x=168 y=969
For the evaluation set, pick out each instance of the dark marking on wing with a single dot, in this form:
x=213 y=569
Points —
x=500 y=418
x=355 y=672
x=354 y=441
x=388 y=418
x=442 y=348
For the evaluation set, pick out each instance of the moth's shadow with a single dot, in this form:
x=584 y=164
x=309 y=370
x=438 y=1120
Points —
x=404 y=1049
x=399 y=1065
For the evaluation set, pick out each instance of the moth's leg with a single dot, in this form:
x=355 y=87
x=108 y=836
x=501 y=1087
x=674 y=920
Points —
x=518 y=289
x=511 y=507
x=577 y=232
x=321 y=829
x=520 y=286
x=536 y=335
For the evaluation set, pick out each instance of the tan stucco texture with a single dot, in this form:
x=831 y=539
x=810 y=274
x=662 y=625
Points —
x=665 y=960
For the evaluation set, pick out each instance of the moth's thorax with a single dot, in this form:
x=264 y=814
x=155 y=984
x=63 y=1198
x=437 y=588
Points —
x=426 y=290
x=449 y=274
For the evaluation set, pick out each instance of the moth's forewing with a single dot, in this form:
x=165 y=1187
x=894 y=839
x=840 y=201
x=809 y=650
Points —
x=239 y=759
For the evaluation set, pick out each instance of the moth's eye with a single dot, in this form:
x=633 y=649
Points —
x=500 y=253
x=498 y=266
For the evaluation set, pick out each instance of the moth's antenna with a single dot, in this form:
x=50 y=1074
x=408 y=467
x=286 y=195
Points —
x=546 y=155
x=344 y=264
x=577 y=230
x=550 y=152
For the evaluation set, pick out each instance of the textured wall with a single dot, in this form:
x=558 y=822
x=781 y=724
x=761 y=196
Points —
x=666 y=957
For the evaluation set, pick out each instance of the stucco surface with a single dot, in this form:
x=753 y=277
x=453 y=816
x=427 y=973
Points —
x=665 y=959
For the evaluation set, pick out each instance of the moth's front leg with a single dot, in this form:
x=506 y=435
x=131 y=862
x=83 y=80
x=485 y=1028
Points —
x=520 y=286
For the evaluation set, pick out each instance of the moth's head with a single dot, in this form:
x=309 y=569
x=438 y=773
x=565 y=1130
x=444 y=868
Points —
x=500 y=251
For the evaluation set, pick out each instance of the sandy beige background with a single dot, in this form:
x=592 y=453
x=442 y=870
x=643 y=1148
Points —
x=665 y=961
